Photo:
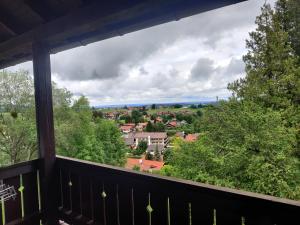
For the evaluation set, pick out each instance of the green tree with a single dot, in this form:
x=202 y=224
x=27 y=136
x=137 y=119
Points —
x=136 y=116
x=16 y=91
x=244 y=145
x=141 y=148
x=157 y=155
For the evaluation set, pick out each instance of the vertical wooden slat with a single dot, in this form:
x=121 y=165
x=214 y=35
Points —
x=13 y=209
x=45 y=130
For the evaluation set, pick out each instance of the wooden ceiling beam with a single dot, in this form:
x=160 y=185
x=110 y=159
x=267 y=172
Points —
x=10 y=23
x=42 y=8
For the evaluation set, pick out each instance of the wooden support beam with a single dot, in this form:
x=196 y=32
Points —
x=45 y=131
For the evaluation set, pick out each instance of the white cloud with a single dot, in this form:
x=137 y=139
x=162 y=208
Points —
x=191 y=59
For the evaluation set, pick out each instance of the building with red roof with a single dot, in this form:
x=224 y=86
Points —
x=145 y=165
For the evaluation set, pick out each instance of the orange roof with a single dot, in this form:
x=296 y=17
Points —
x=191 y=137
x=125 y=127
x=173 y=123
x=145 y=165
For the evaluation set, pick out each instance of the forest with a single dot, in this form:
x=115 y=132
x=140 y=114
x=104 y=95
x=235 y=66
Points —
x=250 y=141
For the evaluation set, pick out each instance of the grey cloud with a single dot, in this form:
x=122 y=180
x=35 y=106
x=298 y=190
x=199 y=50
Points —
x=236 y=66
x=104 y=60
x=202 y=70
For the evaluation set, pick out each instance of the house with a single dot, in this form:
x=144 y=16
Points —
x=143 y=164
x=152 y=148
x=191 y=137
x=126 y=129
x=150 y=137
x=172 y=124
x=110 y=116
x=158 y=120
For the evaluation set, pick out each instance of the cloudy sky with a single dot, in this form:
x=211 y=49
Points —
x=188 y=60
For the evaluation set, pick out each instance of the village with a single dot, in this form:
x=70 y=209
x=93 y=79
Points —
x=149 y=132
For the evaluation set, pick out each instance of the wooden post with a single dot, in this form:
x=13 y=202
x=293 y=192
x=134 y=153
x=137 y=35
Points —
x=45 y=131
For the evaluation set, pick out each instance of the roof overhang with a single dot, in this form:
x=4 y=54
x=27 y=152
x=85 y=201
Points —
x=100 y=20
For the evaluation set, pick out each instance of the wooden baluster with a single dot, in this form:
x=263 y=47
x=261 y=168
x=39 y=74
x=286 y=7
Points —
x=38 y=184
x=70 y=184
x=118 y=205
x=149 y=209
x=91 y=221
x=103 y=195
x=61 y=191
x=168 y=211
x=132 y=206
x=2 y=207
x=80 y=197
x=21 y=190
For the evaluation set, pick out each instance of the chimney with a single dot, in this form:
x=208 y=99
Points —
x=149 y=140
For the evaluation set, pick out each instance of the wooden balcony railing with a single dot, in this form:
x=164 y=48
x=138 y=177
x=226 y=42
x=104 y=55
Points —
x=90 y=193
x=26 y=207
x=98 y=194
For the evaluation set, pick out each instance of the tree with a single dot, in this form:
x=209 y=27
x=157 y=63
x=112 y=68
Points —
x=136 y=168
x=18 y=140
x=149 y=127
x=126 y=118
x=199 y=113
x=136 y=116
x=249 y=142
x=97 y=114
x=153 y=106
x=16 y=91
x=243 y=145
x=156 y=153
x=148 y=156
x=178 y=106
x=272 y=65
x=141 y=148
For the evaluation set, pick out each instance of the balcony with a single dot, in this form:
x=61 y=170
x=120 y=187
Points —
x=90 y=193
x=78 y=192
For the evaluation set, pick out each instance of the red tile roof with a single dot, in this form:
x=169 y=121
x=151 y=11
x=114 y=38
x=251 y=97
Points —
x=125 y=128
x=191 y=137
x=173 y=123
x=146 y=165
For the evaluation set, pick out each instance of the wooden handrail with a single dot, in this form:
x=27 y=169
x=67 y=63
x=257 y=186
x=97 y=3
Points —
x=188 y=200
x=19 y=168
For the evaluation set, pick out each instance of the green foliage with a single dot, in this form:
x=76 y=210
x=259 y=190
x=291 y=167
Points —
x=136 y=116
x=79 y=136
x=187 y=117
x=18 y=141
x=97 y=114
x=148 y=156
x=156 y=127
x=178 y=106
x=244 y=146
x=126 y=118
x=251 y=142
x=16 y=91
x=193 y=106
x=141 y=148
x=157 y=155
x=136 y=168
x=167 y=156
